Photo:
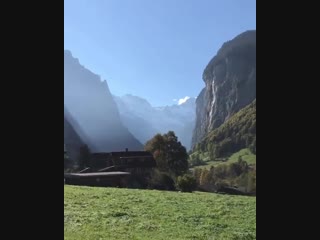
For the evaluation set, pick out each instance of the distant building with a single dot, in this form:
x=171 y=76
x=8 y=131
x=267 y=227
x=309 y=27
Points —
x=114 y=169
x=127 y=160
x=102 y=179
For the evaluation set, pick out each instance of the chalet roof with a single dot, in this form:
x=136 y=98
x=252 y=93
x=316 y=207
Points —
x=95 y=174
x=124 y=153
x=125 y=159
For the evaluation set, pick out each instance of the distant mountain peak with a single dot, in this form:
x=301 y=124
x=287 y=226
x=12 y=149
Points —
x=187 y=100
x=144 y=121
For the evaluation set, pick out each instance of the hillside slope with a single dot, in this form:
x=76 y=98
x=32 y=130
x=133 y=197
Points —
x=236 y=133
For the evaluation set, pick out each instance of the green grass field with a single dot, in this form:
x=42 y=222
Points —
x=111 y=213
x=245 y=154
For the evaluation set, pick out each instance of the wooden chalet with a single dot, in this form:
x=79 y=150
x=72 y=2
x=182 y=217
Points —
x=126 y=160
x=111 y=179
x=114 y=169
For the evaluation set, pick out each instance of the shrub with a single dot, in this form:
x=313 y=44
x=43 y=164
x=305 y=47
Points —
x=161 y=181
x=186 y=183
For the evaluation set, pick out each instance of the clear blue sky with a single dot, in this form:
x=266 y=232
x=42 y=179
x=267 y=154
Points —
x=155 y=49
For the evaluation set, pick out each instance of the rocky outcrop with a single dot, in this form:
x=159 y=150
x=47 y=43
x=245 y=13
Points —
x=230 y=84
x=90 y=102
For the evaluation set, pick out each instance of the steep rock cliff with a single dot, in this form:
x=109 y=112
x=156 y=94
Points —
x=90 y=102
x=230 y=84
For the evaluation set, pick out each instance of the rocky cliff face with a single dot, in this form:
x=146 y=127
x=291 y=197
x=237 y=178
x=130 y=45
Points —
x=90 y=102
x=230 y=79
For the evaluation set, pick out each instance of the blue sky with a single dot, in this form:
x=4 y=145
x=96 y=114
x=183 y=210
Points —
x=155 y=49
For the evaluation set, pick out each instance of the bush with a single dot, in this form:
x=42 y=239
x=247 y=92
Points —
x=221 y=183
x=161 y=181
x=247 y=181
x=186 y=183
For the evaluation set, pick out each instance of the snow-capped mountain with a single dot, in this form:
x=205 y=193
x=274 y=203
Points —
x=144 y=121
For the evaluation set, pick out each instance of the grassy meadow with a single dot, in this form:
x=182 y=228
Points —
x=114 y=213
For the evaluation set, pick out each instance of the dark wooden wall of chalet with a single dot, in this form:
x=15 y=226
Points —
x=114 y=181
